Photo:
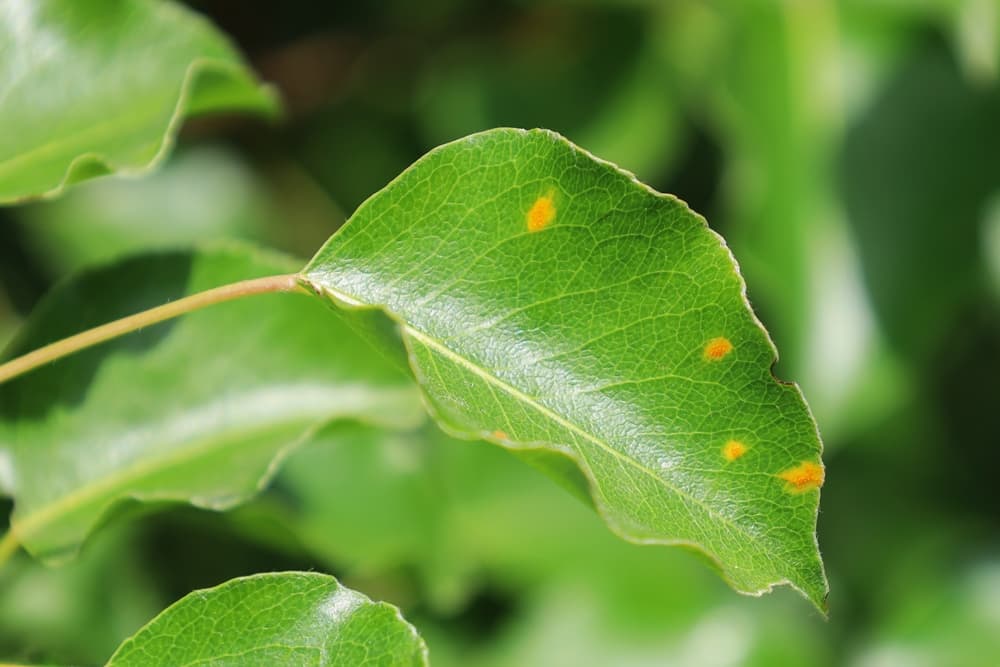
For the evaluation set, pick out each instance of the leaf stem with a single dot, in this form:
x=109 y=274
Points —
x=105 y=332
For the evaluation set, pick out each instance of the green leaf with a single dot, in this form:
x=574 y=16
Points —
x=200 y=409
x=91 y=88
x=200 y=194
x=285 y=618
x=454 y=515
x=78 y=614
x=944 y=613
x=923 y=177
x=554 y=305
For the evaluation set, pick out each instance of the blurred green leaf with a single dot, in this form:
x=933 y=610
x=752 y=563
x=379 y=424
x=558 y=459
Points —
x=8 y=320
x=549 y=65
x=202 y=194
x=404 y=522
x=574 y=625
x=918 y=179
x=469 y=520
x=455 y=513
x=977 y=30
x=589 y=72
x=198 y=410
x=278 y=618
x=101 y=87
x=76 y=614
x=991 y=242
x=953 y=621
x=554 y=305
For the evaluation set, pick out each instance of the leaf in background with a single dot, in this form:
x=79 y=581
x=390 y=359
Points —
x=584 y=71
x=573 y=624
x=8 y=319
x=554 y=305
x=902 y=177
x=449 y=512
x=200 y=195
x=470 y=521
x=199 y=409
x=78 y=614
x=283 y=618
x=976 y=34
x=991 y=242
x=404 y=522
x=91 y=88
x=946 y=615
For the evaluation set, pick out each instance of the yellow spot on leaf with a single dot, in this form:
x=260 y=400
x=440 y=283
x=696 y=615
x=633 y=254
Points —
x=541 y=213
x=500 y=435
x=733 y=450
x=804 y=477
x=717 y=348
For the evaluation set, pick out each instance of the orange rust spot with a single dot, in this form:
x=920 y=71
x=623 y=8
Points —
x=717 y=348
x=500 y=435
x=733 y=450
x=804 y=477
x=541 y=213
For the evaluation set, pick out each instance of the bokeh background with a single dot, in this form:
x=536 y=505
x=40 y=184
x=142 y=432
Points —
x=849 y=152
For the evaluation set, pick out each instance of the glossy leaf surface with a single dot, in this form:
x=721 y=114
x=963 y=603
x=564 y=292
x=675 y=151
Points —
x=287 y=618
x=554 y=305
x=91 y=88
x=199 y=409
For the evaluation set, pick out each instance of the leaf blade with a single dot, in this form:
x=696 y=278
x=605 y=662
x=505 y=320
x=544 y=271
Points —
x=200 y=410
x=548 y=299
x=276 y=618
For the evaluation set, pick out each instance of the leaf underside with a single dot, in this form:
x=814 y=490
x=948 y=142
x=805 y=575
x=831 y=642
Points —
x=552 y=304
x=286 y=618
x=92 y=88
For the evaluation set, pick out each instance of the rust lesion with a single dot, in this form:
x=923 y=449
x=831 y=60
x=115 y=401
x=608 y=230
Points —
x=542 y=212
x=733 y=449
x=804 y=477
x=717 y=348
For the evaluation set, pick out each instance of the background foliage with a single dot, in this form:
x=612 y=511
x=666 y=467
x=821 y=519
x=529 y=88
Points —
x=848 y=151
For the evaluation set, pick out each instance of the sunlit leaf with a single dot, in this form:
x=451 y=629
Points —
x=91 y=88
x=554 y=305
x=287 y=618
x=199 y=409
